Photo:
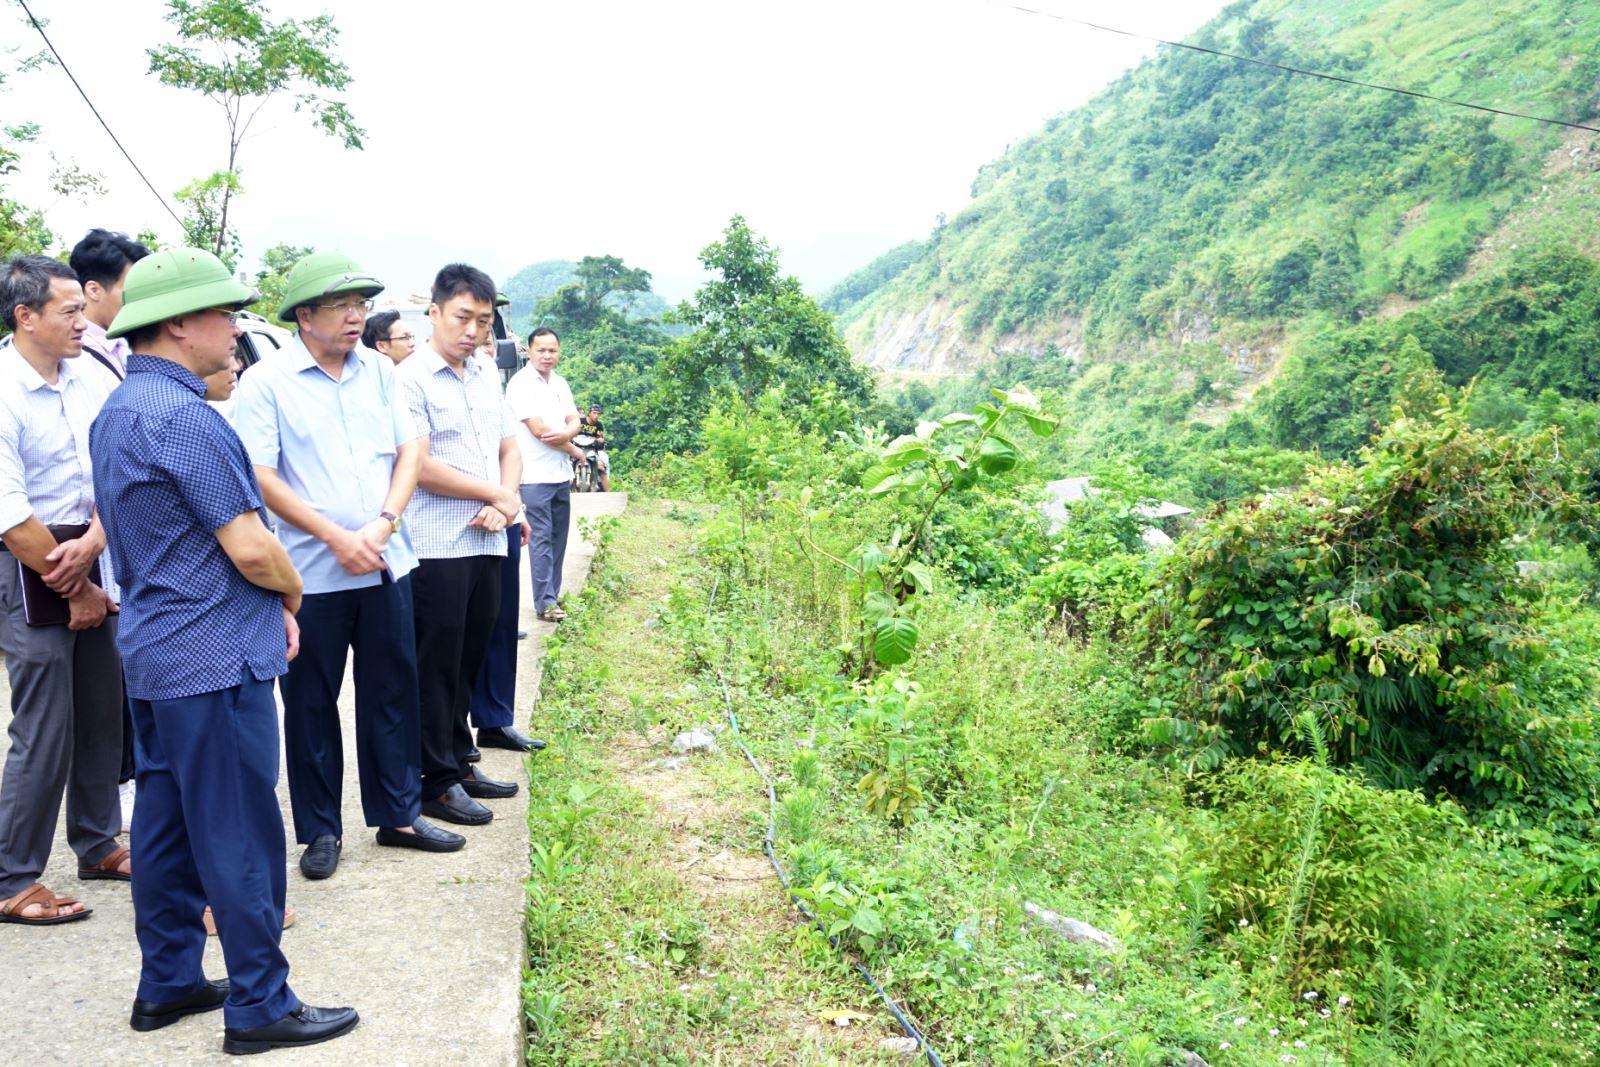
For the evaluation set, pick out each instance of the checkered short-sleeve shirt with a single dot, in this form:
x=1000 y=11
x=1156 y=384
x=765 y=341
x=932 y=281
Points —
x=465 y=419
x=169 y=472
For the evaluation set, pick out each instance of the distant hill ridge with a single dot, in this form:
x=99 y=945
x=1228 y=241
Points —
x=538 y=280
x=1203 y=200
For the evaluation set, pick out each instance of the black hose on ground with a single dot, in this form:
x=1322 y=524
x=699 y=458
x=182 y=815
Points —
x=768 y=846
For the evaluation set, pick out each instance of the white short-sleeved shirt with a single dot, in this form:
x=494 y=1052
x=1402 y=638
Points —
x=531 y=396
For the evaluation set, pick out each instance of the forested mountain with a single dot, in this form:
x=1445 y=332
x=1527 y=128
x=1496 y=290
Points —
x=538 y=280
x=1204 y=201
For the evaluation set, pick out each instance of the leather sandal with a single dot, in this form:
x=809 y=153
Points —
x=53 y=906
x=107 y=869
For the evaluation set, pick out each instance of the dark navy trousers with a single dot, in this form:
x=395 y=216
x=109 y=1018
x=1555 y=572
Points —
x=376 y=623
x=494 y=697
x=207 y=830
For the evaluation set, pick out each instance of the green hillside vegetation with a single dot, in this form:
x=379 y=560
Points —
x=1198 y=192
x=533 y=283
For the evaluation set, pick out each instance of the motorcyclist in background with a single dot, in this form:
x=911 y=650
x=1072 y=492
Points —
x=592 y=426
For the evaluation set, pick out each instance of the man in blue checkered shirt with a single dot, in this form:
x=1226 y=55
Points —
x=209 y=597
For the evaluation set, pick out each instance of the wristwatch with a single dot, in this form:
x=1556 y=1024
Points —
x=394 y=520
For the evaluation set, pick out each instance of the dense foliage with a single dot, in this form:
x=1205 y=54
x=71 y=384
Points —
x=1383 y=598
x=1197 y=191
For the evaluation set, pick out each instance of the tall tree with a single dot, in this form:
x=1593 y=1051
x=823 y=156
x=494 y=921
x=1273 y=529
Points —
x=755 y=328
x=231 y=52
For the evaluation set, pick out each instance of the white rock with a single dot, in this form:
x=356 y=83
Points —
x=1193 y=1059
x=675 y=763
x=904 y=1045
x=697 y=740
x=1079 y=933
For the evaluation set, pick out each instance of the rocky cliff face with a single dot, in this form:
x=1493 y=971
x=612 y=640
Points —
x=932 y=340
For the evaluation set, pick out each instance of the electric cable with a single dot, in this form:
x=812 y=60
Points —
x=68 y=72
x=1293 y=70
x=767 y=845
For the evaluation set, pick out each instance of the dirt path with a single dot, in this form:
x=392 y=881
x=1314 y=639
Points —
x=690 y=952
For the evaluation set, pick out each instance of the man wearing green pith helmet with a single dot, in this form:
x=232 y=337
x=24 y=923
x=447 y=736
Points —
x=337 y=455
x=209 y=597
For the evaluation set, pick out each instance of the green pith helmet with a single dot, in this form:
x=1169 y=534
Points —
x=324 y=274
x=501 y=300
x=173 y=282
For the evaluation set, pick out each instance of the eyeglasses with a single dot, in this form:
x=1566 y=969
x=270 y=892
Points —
x=401 y=337
x=347 y=307
x=232 y=314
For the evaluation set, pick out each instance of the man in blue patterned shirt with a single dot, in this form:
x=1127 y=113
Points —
x=467 y=493
x=208 y=606
x=337 y=456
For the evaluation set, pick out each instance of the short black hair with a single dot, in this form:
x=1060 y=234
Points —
x=102 y=256
x=458 y=279
x=138 y=340
x=26 y=282
x=378 y=327
x=540 y=332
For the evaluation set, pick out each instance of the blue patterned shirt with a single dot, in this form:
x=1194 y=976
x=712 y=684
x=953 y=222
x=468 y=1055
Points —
x=169 y=472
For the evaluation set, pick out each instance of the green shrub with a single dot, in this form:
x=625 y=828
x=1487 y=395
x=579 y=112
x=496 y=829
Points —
x=1384 y=598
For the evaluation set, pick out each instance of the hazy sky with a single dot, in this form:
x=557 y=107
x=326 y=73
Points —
x=505 y=133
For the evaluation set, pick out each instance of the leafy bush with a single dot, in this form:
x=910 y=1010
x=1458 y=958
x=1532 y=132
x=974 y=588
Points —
x=1384 y=598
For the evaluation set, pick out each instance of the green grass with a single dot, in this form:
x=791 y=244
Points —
x=656 y=934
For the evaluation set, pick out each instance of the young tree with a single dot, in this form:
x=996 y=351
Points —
x=233 y=54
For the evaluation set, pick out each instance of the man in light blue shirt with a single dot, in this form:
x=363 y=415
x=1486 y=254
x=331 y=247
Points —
x=332 y=440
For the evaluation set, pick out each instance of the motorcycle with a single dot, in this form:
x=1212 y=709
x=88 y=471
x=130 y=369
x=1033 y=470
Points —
x=586 y=476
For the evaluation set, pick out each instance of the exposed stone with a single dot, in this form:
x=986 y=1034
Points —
x=1193 y=1059
x=675 y=763
x=1079 y=933
x=906 y=1046
x=699 y=739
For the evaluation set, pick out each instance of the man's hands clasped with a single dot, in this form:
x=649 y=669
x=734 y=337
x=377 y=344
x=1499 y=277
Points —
x=495 y=516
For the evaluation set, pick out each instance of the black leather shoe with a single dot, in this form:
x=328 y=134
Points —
x=424 y=836
x=522 y=635
x=321 y=857
x=154 y=1014
x=473 y=755
x=487 y=788
x=455 y=806
x=508 y=737
x=303 y=1026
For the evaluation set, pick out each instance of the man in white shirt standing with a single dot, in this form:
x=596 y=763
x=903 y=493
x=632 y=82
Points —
x=547 y=420
x=66 y=693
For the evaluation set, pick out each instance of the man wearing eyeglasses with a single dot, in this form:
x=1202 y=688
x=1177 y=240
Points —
x=387 y=334
x=329 y=431
x=208 y=603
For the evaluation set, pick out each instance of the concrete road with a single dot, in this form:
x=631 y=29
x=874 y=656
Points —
x=429 y=948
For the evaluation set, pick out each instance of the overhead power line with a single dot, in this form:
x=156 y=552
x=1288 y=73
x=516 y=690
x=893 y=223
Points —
x=63 y=63
x=1295 y=70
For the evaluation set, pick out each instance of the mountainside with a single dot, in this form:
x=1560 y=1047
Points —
x=538 y=280
x=1201 y=200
